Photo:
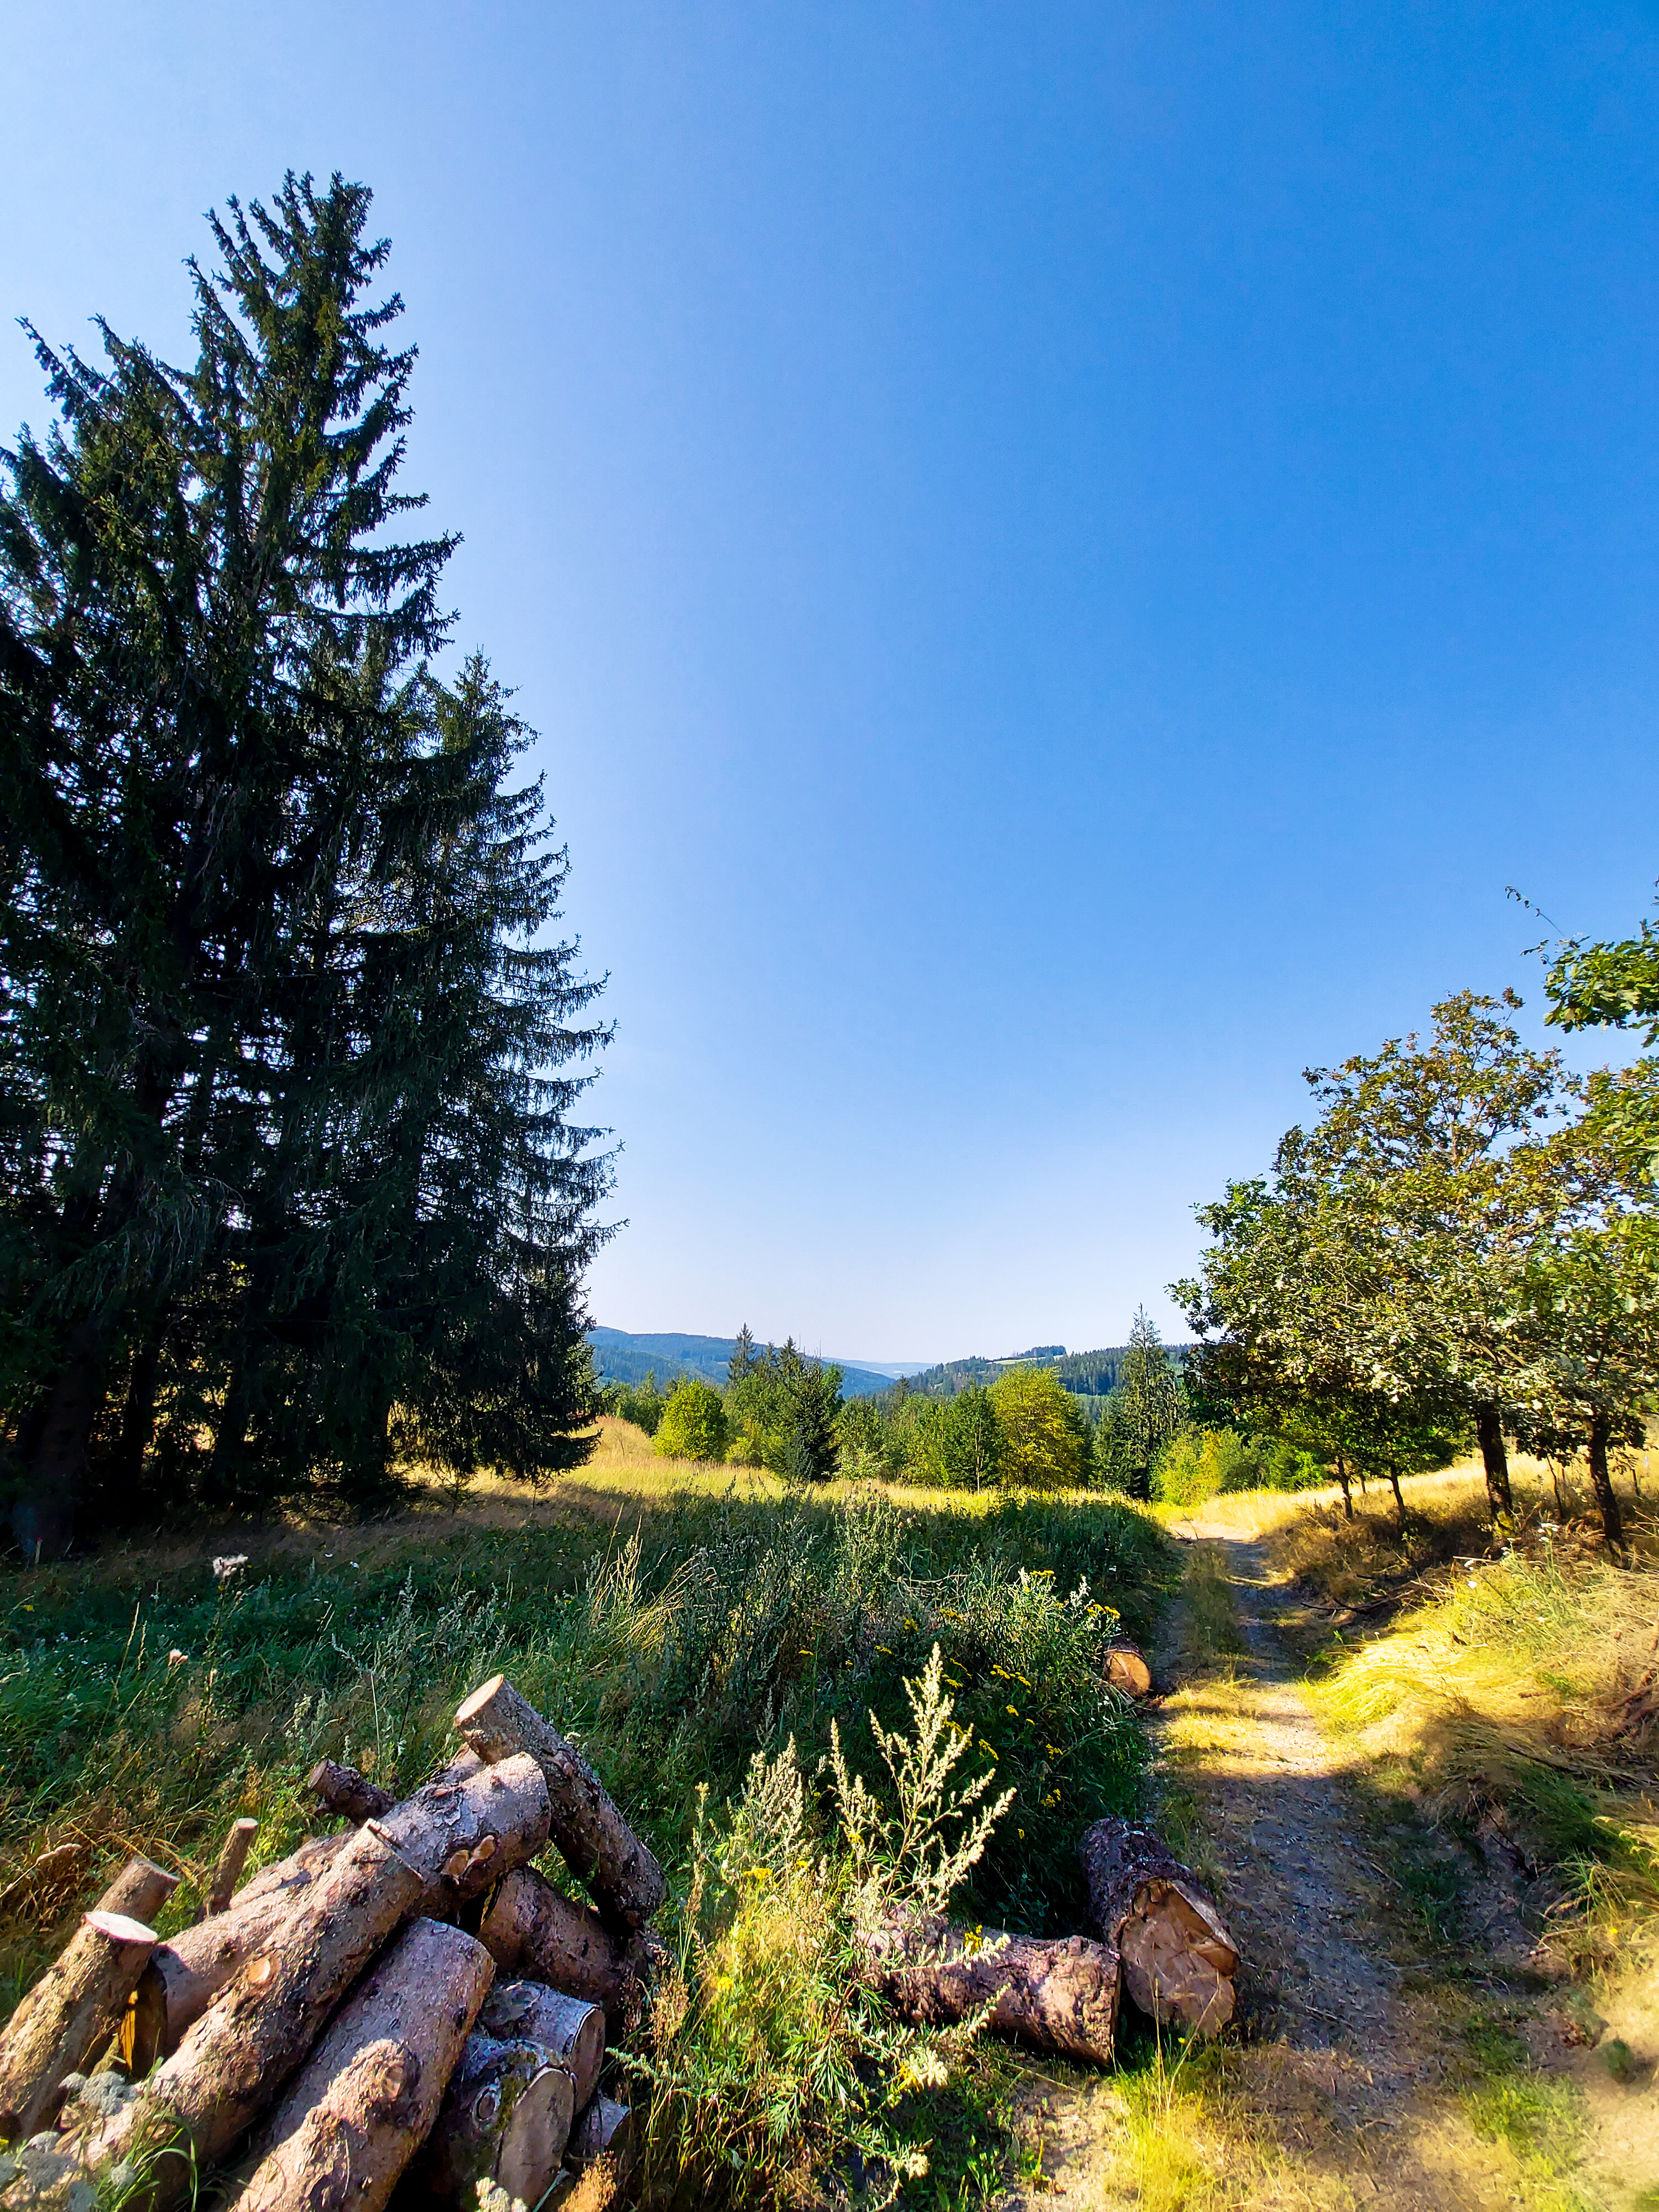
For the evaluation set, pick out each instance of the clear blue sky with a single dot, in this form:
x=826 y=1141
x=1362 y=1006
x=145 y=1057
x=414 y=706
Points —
x=1064 y=556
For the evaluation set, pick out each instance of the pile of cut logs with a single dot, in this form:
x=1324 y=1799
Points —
x=403 y=2000
x=406 y=2004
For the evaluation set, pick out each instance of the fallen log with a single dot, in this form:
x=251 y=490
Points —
x=1179 y=1961
x=533 y=1929
x=232 y=1859
x=1126 y=1668
x=184 y=1975
x=365 y=2101
x=347 y=1794
x=1056 y=1995
x=598 y=1846
x=233 y=2063
x=70 y=2013
x=139 y=1891
x=572 y=2030
x=604 y=2130
x=505 y=2118
x=468 y=1826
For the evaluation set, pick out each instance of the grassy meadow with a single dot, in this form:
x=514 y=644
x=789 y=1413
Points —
x=680 y=1623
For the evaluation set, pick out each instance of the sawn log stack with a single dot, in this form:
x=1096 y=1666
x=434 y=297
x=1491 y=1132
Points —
x=318 y=2034
x=406 y=2005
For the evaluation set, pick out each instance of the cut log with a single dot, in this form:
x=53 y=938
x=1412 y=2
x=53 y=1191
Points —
x=365 y=2101
x=531 y=1929
x=572 y=2030
x=70 y=2013
x=299 y=1867
x=600 y=1848
x=506 y=2119
x=347 y=1794
x=1179 y=1961
x=468 y=1826
x=185 y=1974
x=232 y=1859
x=1058 y=1995
x=1126 y=1668
x=604 y=2130
x=232 y=2063
x=139 y=1891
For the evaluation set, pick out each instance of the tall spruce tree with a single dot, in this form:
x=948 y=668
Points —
x=235 y=902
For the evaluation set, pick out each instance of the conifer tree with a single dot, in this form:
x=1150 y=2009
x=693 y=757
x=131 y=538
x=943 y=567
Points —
x=233 y=1172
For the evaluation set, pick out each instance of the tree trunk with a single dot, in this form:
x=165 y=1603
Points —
x=1394 y=1481
x=367 y=2097
x=70 y=2013
x=1058 y=1995
x=572 y=2031
x=1489 y=1428
x=468 y=1826
x=184 y=1975
x=137 y=1416
x=43 y=1517
x=139 y=1891
x=603 y=2130
x=1126 y=1668
x=506 y=2119
x=347 y=1794
x=1348 y=1493
x=235 y=2059
x=1613 y=1527
x=232 y=1859
x=598 y=1846
x=1178 y=1960
x=534 y=1930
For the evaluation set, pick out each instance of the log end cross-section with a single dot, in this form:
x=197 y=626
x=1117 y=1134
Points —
x=1179 y=1961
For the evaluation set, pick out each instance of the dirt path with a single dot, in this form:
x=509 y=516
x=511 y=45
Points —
x=1344 y=2089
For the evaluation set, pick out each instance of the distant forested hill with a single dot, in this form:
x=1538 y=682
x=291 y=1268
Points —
x=1091 y=1373
x=620 y=1356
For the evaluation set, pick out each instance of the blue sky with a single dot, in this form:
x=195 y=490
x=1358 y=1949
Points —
x=1064 y=556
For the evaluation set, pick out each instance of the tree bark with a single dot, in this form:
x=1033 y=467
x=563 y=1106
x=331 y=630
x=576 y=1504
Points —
x=184 y=1975
x=599 y=1847
x=1347 y=1492
x=1152 y=1912
x=65 y=2019
x=1607 y=1497
x=366 y=2100
x=505 y=2118
x=233 y=2063
x=347 y=1794
x=1489 y=1428
x=139 y=1891
x=572 y=2030
x=1126 y=1668
x=1054 y=1996
x=531 y=1929
x=468 y=1826
x=604 y=2130
x=232 y=1859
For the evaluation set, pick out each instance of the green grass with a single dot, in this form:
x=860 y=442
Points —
x=144 y=1704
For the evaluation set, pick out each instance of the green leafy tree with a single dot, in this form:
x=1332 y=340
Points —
x=1042 y=1432
x=693 y=1423
x=1386 y=1260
